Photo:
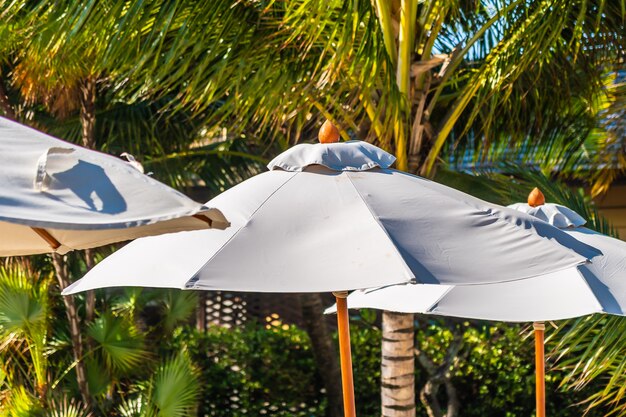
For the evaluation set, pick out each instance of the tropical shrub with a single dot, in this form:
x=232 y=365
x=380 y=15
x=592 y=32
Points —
x=254 y=371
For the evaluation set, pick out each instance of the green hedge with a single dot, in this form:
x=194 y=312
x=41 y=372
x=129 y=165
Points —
x=255 y=371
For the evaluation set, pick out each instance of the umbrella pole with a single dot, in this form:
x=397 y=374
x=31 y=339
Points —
x=540 y=375
x=343 y=328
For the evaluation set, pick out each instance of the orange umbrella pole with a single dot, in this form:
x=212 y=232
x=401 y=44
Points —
x=540 y=372
x=345 y=354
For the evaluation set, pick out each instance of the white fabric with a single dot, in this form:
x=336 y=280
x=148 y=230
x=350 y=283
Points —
x=50 y=184
x=555 y=214
x=403 y=298
x=599 y=286
x=606 y=275
x=561 y=295
x=322 y=230
x=354 y=155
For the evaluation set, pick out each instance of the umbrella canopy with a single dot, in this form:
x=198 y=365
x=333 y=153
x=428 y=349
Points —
x=599 y=286
x=334 y=217
x=596 y=287
x=52 y=192
x=331 y=217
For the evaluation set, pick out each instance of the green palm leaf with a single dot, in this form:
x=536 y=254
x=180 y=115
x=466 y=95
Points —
x=121 y=346
x=174 y=390
x=132 y=407
x=66 y=408
x=22 y=304
x=20 y=403
x=99 y=377
x=265 y=69
x=178 y=307
x=24 y=315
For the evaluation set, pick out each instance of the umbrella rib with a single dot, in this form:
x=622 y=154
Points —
x=395 y=249
x=431 y=308
x=45 y=235
x=241 y=228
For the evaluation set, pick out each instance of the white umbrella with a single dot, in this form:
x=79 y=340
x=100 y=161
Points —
x=52 y=192
x=596 y=287
x=334 y=217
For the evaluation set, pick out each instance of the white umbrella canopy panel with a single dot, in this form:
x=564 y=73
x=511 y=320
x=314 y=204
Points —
x=52 y=192
x=559 y=295
x=333 y=223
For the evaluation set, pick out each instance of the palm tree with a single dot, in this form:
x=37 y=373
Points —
x=64 y=80
x=408 y=74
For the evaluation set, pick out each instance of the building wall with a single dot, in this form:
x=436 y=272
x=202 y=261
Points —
x=612 y=205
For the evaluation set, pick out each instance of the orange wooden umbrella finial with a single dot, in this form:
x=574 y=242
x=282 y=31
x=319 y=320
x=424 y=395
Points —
x=328 y=133
x=536 y=198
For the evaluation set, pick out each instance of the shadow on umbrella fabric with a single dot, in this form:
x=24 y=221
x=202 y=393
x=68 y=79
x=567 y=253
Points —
x=91 y=184
x=602 y=292
x=544 y=230
x=9 y=201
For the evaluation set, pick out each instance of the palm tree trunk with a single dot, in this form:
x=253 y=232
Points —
x=398 y=21
x=88 y=112
x=90 y=301
x=323 y=350
x=62 y=273
x=398 y=365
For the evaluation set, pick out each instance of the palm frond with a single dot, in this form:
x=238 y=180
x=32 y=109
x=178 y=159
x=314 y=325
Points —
x=563 y=48
x=20 y=403
x=23 y=304
x=179 y=307
x=121 y=346
x=174 y=390
x=24 y=314
x=65 y=407
x=262 y=68
x=133 y=407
